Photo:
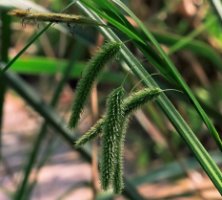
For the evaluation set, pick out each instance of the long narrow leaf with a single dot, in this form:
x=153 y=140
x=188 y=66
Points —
x=48 y=66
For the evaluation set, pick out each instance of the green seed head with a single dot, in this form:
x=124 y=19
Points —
x=139 y=98
x=95 y=65
x=112 y=133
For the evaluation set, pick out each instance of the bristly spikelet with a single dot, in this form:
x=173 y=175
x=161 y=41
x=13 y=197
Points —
x=130 y=104
x=91 y=133
x=106 y=53
x=114 y=125
x=118 y=183
x=139 y=98
x=112 y=133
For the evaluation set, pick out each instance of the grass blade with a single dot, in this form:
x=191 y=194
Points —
x=181 y=126
x=47 y=66
x=33 y=39
x=175 y=74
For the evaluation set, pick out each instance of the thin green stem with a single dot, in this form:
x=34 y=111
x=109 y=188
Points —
x=33 y=39
x=5 y=42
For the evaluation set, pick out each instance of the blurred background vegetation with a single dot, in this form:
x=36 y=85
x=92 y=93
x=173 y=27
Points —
x=37 y=91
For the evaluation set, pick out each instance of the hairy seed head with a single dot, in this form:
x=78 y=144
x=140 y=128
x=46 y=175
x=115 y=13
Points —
x=112 y=133
x=131 y=103
x=139 y=98
x=96 y=64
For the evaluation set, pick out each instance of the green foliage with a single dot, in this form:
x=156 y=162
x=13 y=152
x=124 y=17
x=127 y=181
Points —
x=112 y=11
x=51 y=66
